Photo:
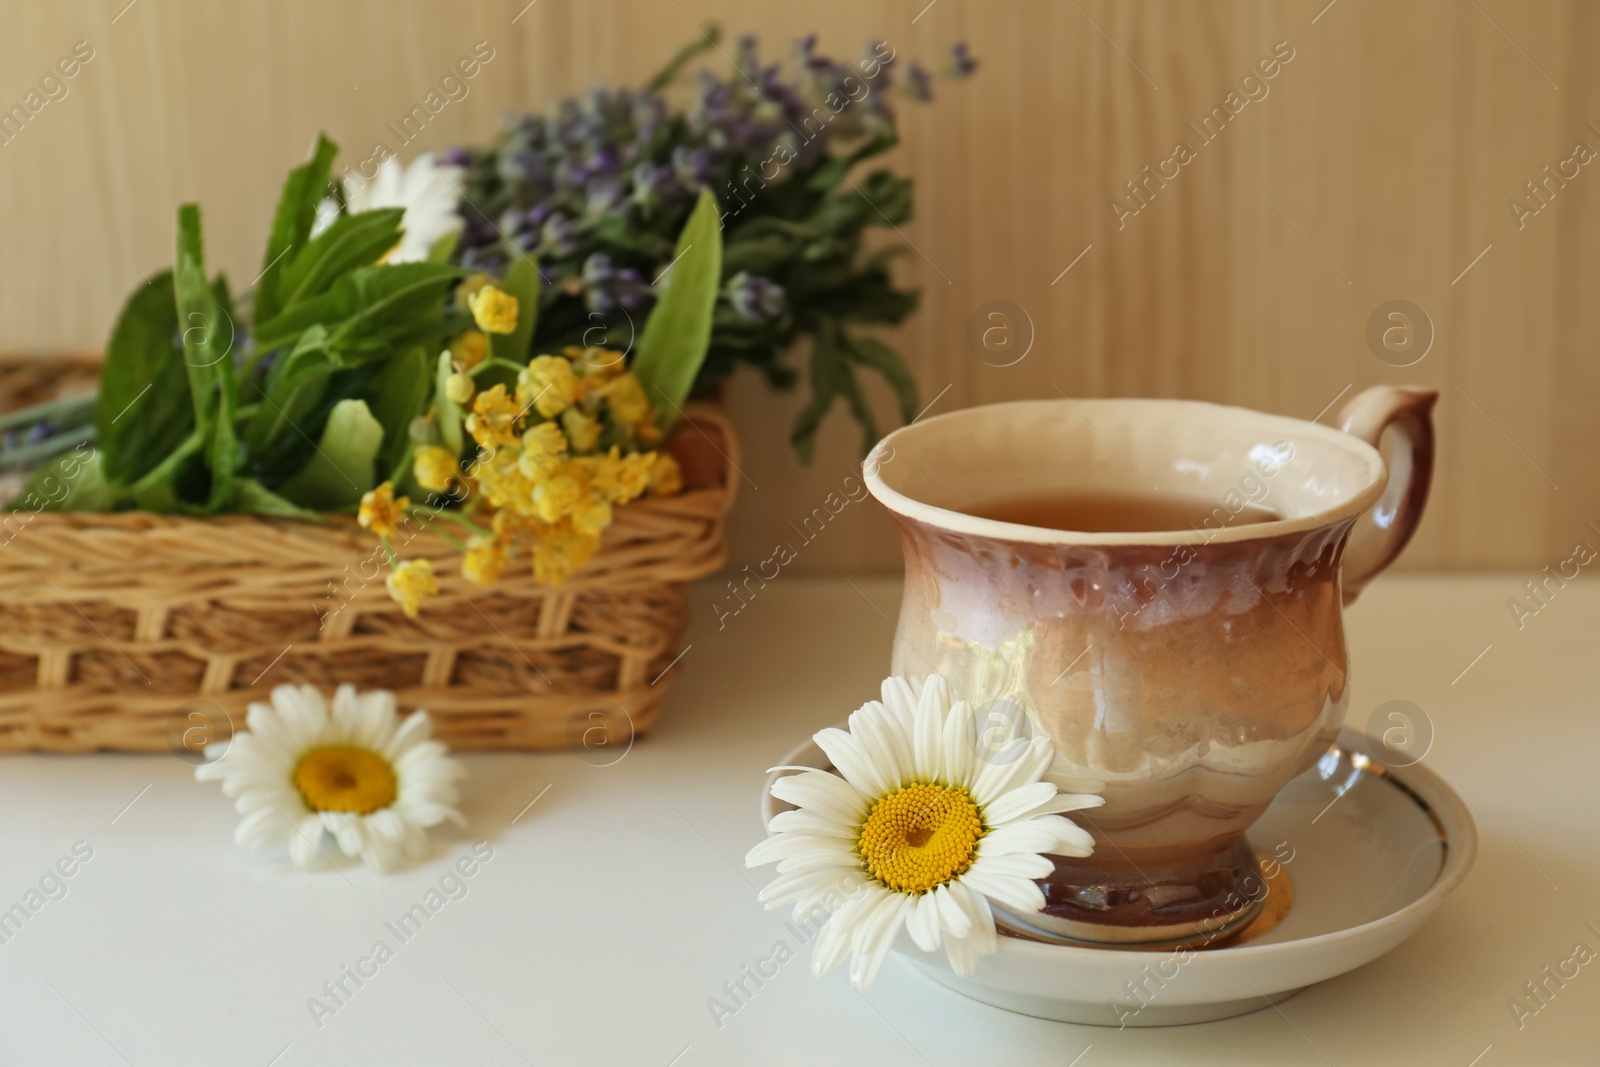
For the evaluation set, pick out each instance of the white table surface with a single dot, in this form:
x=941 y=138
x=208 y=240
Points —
x=616 y=906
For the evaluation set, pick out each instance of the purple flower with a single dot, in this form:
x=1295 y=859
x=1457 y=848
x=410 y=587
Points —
x=603 y=198
x=597 y=269
x=650 y=183
x=754 y=298
x=918 y=84
x=513 y=222
x=522 y=166
x=745 y=59
x=806 y=49
x=961 y=62
x=456 y=157
x=558 y=236
x=605 y=286
x=691 y=166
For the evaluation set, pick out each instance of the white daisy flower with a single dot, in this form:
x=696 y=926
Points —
x=430 y=192
x=372 y=782
x=915 y=831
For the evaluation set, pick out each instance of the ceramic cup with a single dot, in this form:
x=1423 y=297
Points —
x=1184 y=675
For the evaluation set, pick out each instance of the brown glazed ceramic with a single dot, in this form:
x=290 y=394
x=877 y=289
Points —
x=1186 y=675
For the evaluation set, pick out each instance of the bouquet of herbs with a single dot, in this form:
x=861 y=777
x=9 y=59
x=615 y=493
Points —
x=348 y=374
x=598 y=186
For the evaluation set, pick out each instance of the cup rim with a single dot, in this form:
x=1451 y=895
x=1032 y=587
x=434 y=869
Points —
x=974 y=526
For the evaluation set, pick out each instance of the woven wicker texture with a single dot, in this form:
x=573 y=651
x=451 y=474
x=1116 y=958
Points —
x=148 y=632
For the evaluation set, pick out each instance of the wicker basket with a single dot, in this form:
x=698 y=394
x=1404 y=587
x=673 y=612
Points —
x=149 y=632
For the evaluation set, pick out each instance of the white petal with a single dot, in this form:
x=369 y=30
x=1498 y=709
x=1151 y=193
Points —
x=901 y=701
x=922 y=922
x=413 y=731
x=809 y=822
x=1017 y=804
x=810 y=889
x=303 y=843
x=1033 y=836
x=983 y=939
x=963 y=955
x=934 y=694
x=873 y=937
x=788 y=846
x=1019 y=894
x=927 y=734
x=849 y=756
x=953 y=919
x=1010 y=769
x=826 y=794
x=883 y=742
x=959 y=758
x=1068 y=802
x=1025 y=867
x=838 y=933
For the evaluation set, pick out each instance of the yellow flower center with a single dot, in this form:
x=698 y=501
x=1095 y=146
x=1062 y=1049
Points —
x=342 y=778
x=920 y=836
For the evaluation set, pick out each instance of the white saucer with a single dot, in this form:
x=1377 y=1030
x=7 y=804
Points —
x=1374 y=852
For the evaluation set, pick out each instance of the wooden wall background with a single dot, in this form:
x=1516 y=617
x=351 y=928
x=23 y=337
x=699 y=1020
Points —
x=1378 y=167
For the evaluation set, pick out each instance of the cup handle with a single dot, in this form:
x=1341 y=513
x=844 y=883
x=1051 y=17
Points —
x=1383 y=531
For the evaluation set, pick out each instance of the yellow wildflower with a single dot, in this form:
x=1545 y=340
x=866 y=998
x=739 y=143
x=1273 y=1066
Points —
x=583 y=429
x=510 y=528
x=469 y=288
x=545 y=439
x=555 y=495
x=435 y=468
x=493 y=309
x=411 y=582
x=460 y=387
x=381 y=512
x=469 y=349
x=484 y=562
x=601 y=472
x=597 y=363
x=666 y=478
x=625 y=397
x=591 y=515
x=493 y=419
x=647 y=435
x=559 y=550
x=548 y=385
x=502 y=481
x=633 y=475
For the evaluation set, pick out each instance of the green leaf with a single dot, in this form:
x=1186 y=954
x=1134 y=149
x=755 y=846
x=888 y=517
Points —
x=444 y=249
x=522 y=282
x=398 y=395
x=447 y=410
x=368 y=308
x=351 y=241
x=297 y=209
x=832 y=172
x=676 y=336
x=253 y=498
x=827 y=362
x=344 y=465
x=851 y=388
x=143 y=410
x=208 y=338
x=73 y=481
x=292 y=389
x=887 y=362
x=390 y=298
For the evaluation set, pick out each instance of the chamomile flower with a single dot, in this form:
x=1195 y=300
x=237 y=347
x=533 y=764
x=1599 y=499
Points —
x=429 y=191
x=358 y=775
x=915 y=831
